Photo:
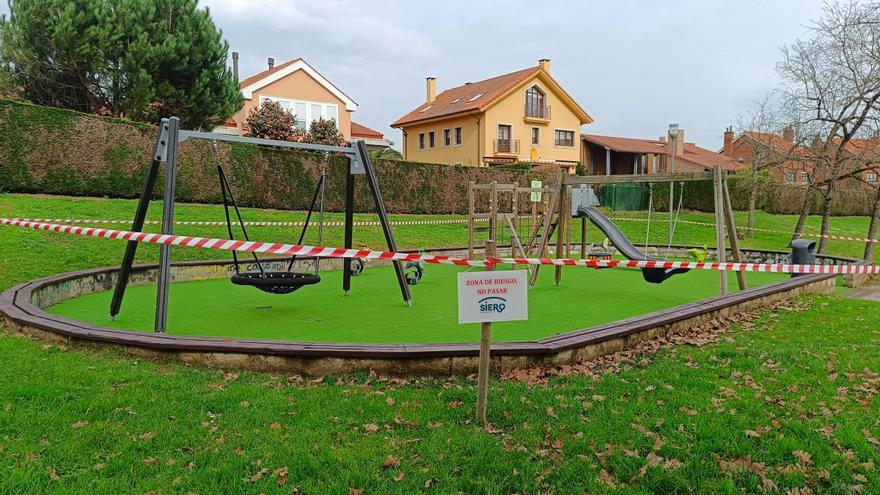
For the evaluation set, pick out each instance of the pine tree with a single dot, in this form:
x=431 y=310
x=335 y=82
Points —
x=141 y=59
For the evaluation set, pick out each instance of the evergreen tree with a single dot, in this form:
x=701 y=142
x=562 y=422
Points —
x=141 y=59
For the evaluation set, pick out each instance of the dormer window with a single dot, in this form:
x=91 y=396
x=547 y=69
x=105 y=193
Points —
x=476 y=97
x=456 y=100
x=536 y=103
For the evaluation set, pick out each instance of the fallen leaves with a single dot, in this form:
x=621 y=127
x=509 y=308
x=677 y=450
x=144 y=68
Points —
x=391 y=462
x=79 y=424
x=370 y=428
x=805 y=458
x=257 y=476
x=281 y=475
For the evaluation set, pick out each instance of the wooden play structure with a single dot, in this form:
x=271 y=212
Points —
x=550 y=211
x=508 y=206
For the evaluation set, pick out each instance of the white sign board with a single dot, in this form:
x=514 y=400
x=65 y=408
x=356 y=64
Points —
x=536 y=196
x=492 y=296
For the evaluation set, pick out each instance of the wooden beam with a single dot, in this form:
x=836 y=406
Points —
x=731 y=233
x=720 y=245
x=575 y=180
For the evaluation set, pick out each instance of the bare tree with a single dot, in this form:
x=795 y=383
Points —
x=831 y=83
x=770 y=144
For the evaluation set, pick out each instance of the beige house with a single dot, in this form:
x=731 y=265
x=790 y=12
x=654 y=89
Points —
x=524 y=116
x=297 y=87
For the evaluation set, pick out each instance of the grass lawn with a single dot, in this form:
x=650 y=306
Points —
x=790 y=404
x=786 y=404
x=374 y=311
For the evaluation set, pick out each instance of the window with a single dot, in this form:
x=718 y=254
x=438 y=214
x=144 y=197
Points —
x=535 y=103
x=430 y=139
x=805 y=178
x=536 y=136
x=421 y=140
x=306 y=112
x=459 y=138
x=447 y=137
x=476 y=97
x=456 y=100
x=564 y=138
x=790 y=177
x=871 y=177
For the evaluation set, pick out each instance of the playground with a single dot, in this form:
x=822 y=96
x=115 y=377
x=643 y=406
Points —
x=650 y=411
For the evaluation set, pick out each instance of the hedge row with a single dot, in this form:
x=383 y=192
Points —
x=772 y=198
x=53 y=151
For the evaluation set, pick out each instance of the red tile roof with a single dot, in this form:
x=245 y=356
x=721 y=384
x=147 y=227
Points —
x=471 y=96
x=362 y=131
x=691 y=152
x=266 y=73
x=707 y=159
x=626 y=145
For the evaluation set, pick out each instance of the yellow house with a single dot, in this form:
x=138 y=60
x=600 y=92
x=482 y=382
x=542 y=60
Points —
x=524 y=116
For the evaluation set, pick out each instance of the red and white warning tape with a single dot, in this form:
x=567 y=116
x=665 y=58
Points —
x=363 y=223
x=330 y=252
x=774 y=231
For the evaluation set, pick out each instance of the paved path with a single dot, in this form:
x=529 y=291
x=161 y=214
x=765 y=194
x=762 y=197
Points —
x=870 y=292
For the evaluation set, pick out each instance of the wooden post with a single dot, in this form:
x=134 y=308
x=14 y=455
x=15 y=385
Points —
x=560 y=231
x=719 y=227
x=471 y=220
x=736 y=254
x=485 y=346
x=493 y=214
x=583 y=238
x=568 y=223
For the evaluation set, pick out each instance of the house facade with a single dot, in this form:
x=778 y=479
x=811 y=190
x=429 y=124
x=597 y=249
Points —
x=613 y=155
x=793 y=162
x=524 y=116
x=299 y=88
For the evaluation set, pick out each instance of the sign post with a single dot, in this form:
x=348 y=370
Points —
x=484 y=297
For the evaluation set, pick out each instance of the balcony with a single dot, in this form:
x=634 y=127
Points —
x=507 y=146
x=537 y=113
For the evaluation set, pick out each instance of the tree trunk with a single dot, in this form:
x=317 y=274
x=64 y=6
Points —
x=826 y=219
x=872 y=228
x=753 y=200
x=805 y=212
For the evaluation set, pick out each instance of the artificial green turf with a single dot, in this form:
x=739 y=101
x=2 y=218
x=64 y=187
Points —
x=374 y=312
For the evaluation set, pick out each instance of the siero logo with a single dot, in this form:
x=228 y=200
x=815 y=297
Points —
x=492 y=304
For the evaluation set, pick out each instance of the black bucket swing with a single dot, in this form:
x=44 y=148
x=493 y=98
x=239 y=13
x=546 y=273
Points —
x=274 y=282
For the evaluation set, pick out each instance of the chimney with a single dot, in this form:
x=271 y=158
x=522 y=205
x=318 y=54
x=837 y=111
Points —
x=235 y=65
x=271 y=62
x=728 y=142
x=679 y=142
x=544 y=64
x=431 y=89
x=788 y=134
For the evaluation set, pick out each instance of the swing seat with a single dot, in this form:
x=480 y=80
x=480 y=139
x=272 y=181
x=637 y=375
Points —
x=276 y=282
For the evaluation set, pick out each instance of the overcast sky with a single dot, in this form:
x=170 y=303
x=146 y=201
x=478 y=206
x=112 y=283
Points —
x=635 y=66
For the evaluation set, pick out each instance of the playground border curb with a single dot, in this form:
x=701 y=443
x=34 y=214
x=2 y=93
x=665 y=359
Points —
x=23 y=314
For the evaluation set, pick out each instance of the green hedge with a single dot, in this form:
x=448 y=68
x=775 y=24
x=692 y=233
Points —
x=53 y=151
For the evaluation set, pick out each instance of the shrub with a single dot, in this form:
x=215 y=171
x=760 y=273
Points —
x=324 y=131
x=271 y=121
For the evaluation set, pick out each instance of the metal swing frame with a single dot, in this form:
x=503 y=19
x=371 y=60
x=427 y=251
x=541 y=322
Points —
x=165 y=151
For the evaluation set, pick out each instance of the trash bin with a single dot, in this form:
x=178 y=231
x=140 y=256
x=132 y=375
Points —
x=803 y=252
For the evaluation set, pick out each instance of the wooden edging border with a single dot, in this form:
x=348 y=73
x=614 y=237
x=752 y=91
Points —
x=20 y=311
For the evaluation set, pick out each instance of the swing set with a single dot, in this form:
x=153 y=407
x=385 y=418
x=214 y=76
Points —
x=166 y=150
